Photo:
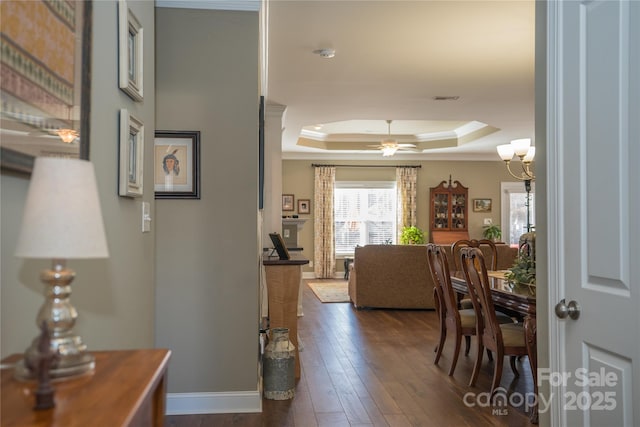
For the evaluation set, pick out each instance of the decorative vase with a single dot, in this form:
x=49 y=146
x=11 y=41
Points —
x=278 y=363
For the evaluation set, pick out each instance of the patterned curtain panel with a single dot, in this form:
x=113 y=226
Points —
x=406 y=184
x=323 y=251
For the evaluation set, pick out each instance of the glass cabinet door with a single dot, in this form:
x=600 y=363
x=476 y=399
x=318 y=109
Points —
x=458 y=209
x=441 y=211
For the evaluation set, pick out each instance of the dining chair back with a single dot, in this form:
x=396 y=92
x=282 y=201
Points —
x=504 y=339
x=482 y=243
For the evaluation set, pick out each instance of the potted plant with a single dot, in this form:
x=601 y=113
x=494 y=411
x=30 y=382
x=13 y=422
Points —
x=412 y=235
x=492 y=232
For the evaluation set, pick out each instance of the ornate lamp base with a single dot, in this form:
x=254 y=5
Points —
x=69 y=354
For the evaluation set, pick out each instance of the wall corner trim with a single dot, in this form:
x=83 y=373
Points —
x=214 y=403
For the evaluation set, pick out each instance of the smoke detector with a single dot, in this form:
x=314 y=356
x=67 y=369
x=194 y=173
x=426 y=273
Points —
x=325 y=53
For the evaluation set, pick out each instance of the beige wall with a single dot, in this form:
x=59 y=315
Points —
x=207 y=249
x=114 y=296
x=483 y=179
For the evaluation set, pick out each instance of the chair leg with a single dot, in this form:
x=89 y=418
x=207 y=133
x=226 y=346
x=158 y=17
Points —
x=478 y=364
x=443 y=327
x=497 y=372
x=467 y=340
x=456 y=352
x=514 y=368
x=443 y=337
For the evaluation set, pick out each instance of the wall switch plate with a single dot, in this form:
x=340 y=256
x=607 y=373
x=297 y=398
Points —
x=488 y=221
x=146 y=217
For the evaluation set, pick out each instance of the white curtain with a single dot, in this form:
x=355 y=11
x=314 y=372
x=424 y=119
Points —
x=323 y=225
x=406 y=184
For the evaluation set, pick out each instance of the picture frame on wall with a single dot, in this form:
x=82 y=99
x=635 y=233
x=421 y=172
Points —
x=130 y=48
x=176 y=164
x=287 y=202
x=482 y=205
x=304 y=206
x=131 y=155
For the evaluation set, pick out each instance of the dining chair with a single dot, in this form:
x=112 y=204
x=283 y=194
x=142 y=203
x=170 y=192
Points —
x=460 y=322
x=506 y=339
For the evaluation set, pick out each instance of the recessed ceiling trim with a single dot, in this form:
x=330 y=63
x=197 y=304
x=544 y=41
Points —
x=241 y=5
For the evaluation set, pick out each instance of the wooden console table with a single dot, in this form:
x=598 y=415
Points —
x=283 y=284
x=128 y=388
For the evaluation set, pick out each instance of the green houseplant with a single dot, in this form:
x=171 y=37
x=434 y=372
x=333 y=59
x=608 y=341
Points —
x=412 y=235
x=492 y=232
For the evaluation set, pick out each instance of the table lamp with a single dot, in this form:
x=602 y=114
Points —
x=62 y=220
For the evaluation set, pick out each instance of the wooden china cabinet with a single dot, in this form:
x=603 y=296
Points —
x=449 y=206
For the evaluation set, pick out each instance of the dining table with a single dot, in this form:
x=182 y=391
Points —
x=518 y=300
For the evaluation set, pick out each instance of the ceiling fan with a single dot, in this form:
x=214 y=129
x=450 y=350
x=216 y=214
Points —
x=389 y=146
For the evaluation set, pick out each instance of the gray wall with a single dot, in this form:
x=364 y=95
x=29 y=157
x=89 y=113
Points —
x=114 y=296
x=207 y=250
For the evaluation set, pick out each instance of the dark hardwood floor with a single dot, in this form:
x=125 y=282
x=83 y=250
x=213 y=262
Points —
x=375 y=368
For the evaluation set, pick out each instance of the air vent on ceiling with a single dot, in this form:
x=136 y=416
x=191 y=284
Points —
x=446 y=98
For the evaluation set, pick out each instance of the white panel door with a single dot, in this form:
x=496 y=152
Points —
x=593 y=138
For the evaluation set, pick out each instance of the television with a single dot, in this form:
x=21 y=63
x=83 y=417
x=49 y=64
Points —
x=278 y=245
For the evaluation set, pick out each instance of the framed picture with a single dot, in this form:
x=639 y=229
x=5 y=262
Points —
x=304 y=206
x=176 y=160
x=287 y=202
x=482 y=205
x=129 y=52
x=46 y=82
x=131 y=155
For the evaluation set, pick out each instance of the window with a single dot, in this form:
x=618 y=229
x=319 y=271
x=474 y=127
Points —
x=364 y=213
x=514 y=210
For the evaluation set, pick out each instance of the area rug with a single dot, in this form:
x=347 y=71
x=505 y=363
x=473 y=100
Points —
x=329 y=290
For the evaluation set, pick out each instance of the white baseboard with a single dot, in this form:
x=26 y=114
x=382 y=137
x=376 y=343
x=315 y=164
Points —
x=214 y=403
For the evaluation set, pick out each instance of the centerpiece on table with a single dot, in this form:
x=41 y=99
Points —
x=523 y=272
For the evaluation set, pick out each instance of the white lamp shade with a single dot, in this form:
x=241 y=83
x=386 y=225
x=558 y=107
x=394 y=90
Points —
x=521 y=146
x=530 y=155
x=505 y=151
x=62 y=217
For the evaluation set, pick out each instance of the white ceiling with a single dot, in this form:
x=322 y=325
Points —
x=393 y=57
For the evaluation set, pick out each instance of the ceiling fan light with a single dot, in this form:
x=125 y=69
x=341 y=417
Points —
x=67 y=135
x=389 y=143
x=505 y=151
x=388 y=151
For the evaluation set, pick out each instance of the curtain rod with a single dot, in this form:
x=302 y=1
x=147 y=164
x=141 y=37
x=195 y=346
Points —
x=315 y=165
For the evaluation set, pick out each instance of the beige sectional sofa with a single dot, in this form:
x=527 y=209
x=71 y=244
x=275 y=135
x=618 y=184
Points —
x=398 y=276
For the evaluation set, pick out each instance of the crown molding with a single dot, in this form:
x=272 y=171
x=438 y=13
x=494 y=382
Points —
x=241 y=5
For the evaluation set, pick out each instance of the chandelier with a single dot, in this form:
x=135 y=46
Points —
x=525 y=151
